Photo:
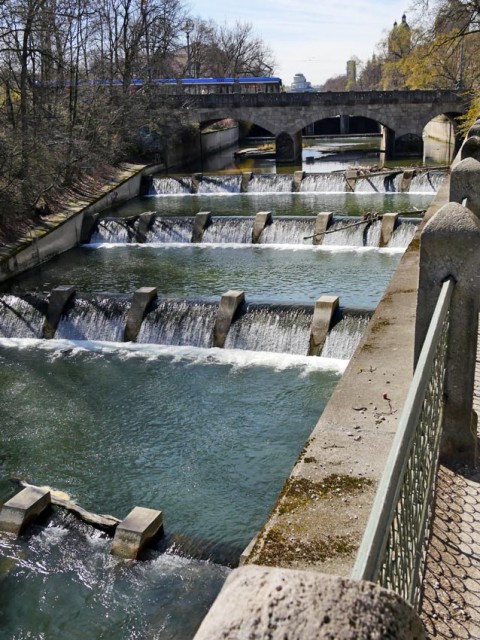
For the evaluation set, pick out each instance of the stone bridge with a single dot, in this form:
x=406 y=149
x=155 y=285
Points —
x=401 y=114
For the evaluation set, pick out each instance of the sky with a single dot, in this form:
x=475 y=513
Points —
x=313 y=37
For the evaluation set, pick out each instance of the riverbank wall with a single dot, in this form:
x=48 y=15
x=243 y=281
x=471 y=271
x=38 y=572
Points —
x=60 y=232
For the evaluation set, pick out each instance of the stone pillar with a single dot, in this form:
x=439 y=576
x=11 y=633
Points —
x=389 y=223
x=145 y=223
x=138 y=308
x=322 y=222
x=202 y=221
x=264 y=602
x=325 y=308
x=387 y=146
x=407 y=178
x=23 y=508
x=89 y=226
x=59 y=297
x=288 y=148
x=262 y=220
x=297 y=180
x=351 y=176
x=229 y=305
x=449 y=248
x=139 y=528
x=344 y=125
x=465 y=183
x=246 y=177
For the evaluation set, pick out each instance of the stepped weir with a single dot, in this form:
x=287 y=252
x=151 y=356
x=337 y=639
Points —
x=145 y=319
x=388 y=230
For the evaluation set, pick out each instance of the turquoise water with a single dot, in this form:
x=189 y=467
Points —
x=207 y=436
x=292 y=274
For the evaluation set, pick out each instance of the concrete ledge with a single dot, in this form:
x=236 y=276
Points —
x=229 y=304
x=59 y=297
x=257 y=603
x=140 y=527
x=141 y=299
x=322 y=222
x=323 y=312
x=202 y=221
x=262 y=220
x=23 y=508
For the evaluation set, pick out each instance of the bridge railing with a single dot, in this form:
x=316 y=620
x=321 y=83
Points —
x=393 y=548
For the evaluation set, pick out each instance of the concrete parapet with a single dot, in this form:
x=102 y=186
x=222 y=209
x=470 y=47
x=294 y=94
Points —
x=246 y=177
x=389 y=223
x=262 y=220
x=23 y=508
x=229 y=305
x=471 y=148
x=297 y=180
x=144 y=224
x=261 y=602
x=465 y=183
x=322 y=222
x=140 y=527
x=323 y=312
x=202 y=221
x=138 y=308
x=449 y=248
x=59 y=297
x=89 y=225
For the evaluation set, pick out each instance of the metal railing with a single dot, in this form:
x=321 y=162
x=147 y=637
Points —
x=392 y=552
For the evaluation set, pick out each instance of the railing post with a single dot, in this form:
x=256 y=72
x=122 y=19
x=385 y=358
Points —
x=449 y=248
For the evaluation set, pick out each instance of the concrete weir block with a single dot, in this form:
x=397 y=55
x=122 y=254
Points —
x=325 y=307
x=145 y=223
x=322 y=222
x=246 y=177
x=59 y=297
x=23 y=508
x=229 y=304
x=297 y=180
x=202 y=221
x=265 y=602
x=140 y=527
x=140 y=301
x=262 y=220
x=389 y=223
x=471 y=147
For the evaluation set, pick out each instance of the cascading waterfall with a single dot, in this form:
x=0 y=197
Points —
x=180 y=322
x=426 y=182
x=289 y=231
x=346 y=232
x=96 y=318
x=270 y=183
x=113 y=231
x=171 y=185
x=171 y=230
x=232 y=229
x=220 y=184
x=280 y=329
x=345 y=336
x=324 y=182
x=372 y=183
x=403 y=234
x=19 y=318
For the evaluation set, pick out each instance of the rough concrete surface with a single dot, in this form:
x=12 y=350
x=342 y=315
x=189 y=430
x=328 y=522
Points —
x=280 y=604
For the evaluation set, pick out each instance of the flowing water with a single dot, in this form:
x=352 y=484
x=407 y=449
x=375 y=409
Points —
x=206 y=435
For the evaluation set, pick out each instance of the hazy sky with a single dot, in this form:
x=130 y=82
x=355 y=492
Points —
x=314 y=37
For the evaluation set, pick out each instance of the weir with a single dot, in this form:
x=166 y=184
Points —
x=357 y=180
x=326 y=229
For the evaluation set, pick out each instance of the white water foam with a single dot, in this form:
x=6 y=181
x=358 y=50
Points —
x=238 y=359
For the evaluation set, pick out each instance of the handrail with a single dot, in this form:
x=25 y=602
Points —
x=392 y=550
